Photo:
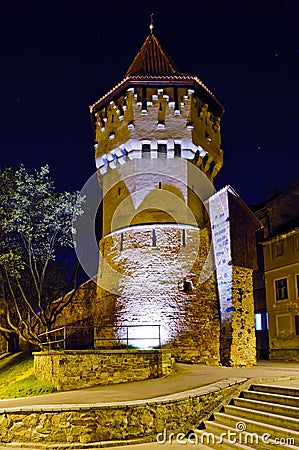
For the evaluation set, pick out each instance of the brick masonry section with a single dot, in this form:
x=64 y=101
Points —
x=136 y=420
x=67 y=370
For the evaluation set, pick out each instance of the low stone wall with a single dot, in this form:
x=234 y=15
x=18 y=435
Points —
x=75 y=369
x=284 y=354
x=79 y=426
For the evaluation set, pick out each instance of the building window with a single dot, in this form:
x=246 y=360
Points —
x=296 y=239
x=121 y=242
x=297 y=284
x=119 y=191
x=278 y=249
x=281 y=289
x=160 y=185
x=297 y=325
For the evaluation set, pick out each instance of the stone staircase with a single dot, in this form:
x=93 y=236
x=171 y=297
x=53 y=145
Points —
x=262 y=417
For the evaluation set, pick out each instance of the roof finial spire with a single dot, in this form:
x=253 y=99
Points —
x=152 y=23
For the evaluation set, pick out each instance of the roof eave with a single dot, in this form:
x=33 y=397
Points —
x=156 y=81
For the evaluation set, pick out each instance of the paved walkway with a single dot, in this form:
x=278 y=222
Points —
x=184 y=377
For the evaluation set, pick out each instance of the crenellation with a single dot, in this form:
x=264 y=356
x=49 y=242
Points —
x=160 y=115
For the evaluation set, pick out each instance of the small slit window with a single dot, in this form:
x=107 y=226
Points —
x=146 y=150
x=177 y=150
x=184 y=238
x=211 y=168
x=154 y=238
x=187 y=286
x=162 y=149
x=205 y=160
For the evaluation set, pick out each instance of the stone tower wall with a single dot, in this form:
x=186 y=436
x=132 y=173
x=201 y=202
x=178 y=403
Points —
x=238 y=346
x=156 y=281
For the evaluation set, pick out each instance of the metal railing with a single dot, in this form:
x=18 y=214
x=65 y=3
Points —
x=110 y=337
x=51 y=342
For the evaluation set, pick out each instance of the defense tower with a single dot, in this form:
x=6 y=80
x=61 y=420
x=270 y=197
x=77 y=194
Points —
x=157 y=151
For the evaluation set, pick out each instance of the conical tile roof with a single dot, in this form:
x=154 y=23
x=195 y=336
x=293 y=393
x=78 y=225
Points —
x=152 y=60
x=153 y=66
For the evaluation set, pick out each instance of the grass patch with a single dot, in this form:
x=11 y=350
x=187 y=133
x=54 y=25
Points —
x=17 y=378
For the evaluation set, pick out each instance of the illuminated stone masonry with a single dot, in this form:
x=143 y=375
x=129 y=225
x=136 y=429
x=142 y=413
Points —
x=69 y=369
x=153 y=273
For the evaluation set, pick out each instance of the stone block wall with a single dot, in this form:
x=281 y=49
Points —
x=159 y=283
x=135 y=420
x=67 y=370
x=243 y=347
x=284 y=354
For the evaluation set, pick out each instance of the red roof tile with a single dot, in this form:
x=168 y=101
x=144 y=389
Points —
x=152 y=60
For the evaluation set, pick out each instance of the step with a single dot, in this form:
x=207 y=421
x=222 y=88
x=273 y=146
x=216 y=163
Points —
x=215 y=442
x=244 y=439
x=271 y=398
x=240 y=441
x=255 y=426
x=263 y=416
x=289 y=411
x=281 y=390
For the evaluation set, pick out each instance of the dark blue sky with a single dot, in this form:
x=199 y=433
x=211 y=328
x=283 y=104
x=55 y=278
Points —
x=57 y=57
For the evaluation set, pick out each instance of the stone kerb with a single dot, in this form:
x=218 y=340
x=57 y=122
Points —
x=75 y=369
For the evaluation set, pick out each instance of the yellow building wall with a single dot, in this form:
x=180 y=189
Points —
x=284 y=343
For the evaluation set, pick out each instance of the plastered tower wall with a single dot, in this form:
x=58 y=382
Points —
x=168 y=123
x=234 y=267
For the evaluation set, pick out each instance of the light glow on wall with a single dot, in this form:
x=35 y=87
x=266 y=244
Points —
x=144 y=337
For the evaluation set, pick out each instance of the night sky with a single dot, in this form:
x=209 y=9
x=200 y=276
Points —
x=58 y=57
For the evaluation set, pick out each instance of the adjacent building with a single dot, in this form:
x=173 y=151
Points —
x=277 y=281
